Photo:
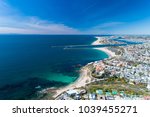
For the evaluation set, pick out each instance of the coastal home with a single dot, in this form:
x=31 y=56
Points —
x=92 y=96
x=77 y=97
x=72 y=92
x=109 y=98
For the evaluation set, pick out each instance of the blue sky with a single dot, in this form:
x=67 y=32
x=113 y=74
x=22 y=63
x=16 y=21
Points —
x=75 y=16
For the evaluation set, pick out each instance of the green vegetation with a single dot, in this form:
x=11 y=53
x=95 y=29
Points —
x=116 y=85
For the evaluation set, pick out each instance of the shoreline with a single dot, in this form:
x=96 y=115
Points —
x=104 y=49
x=84 y=77
x=81 y=81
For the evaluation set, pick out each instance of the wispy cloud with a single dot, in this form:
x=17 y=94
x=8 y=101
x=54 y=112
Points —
x=108 y=25
x=137 y=27
x=36 y=26
x=104 y=28
x=29 y=25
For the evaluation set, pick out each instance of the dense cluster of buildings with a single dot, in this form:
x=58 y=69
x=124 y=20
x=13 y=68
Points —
x=123 y=69
x=137 y=38
x=137 y=53
x=133 y=63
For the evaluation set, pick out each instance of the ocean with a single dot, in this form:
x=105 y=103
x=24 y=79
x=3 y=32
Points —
x=29 y=61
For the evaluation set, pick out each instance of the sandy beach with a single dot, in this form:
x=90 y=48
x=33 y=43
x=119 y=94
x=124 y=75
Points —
x=81 y=81
x=97 y=42
x=84 y=74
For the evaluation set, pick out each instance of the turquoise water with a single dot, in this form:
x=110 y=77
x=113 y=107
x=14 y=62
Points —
x=27 y=61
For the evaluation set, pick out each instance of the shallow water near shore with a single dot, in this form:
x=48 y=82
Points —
x=28 y=61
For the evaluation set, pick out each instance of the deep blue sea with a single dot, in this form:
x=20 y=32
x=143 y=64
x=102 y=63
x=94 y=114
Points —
x=28 y=61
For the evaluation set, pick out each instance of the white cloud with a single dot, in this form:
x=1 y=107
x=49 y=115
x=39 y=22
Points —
x=137 y=27
x=33 y=26
x=109 y=25
x=11 y=22
x=104 y=28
